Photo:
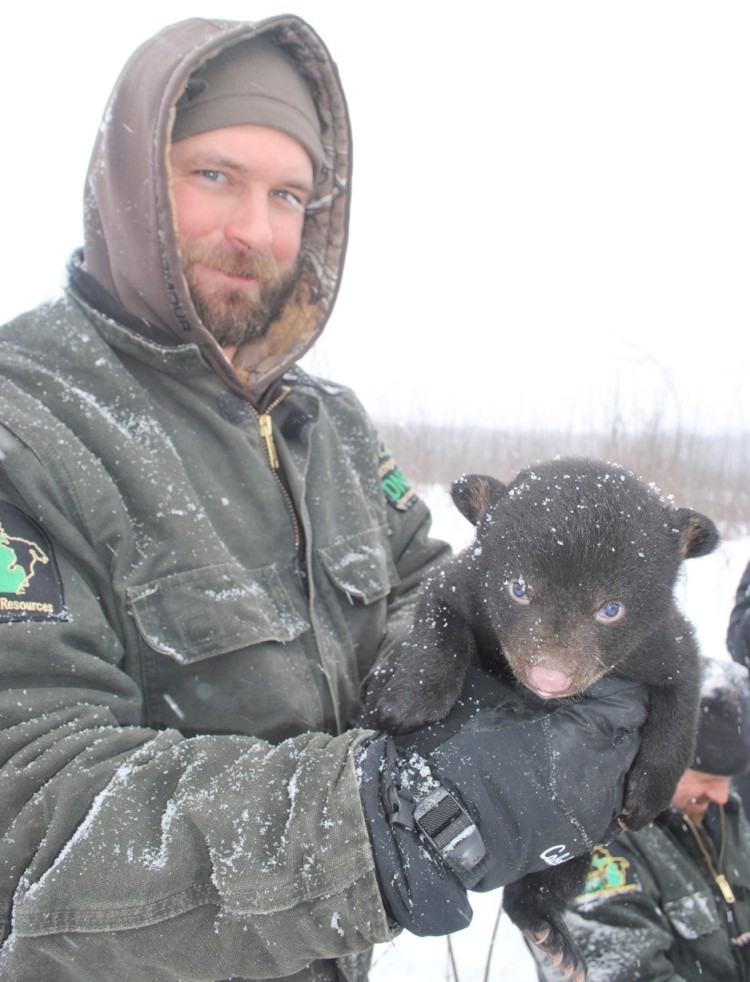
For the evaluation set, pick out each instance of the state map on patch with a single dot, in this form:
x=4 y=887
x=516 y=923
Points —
x=608 y=875
x=30 y=585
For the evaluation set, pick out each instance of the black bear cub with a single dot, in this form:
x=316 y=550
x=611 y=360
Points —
x=570 y=578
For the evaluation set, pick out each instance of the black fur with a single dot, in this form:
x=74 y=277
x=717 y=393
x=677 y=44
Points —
x=570 y=577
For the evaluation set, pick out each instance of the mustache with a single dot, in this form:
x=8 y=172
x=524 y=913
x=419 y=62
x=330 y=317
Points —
x=251 y=265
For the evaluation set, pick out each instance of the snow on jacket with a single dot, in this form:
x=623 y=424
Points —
x=185 y=626
x=651 y=911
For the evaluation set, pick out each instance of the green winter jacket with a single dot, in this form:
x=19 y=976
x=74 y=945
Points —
x=185 y=620
x=651 y=911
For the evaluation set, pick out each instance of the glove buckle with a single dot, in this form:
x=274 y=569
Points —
x=448 y=828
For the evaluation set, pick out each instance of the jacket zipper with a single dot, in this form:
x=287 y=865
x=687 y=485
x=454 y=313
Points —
x=718 y=874
x=265 y=426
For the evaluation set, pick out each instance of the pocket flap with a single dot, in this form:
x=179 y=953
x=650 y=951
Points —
x=693 y=916
x=213 y=610
x=361 y=565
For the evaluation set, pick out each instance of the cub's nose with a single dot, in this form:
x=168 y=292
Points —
x=548 y=683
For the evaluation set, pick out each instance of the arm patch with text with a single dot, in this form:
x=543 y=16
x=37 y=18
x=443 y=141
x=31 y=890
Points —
x=30 y=584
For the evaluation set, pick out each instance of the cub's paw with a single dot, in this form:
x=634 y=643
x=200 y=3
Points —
x=405 y=704
x=544 y=927
x=556 y=943
x=644 y=800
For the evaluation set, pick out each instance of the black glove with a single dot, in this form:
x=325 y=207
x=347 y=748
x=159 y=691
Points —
x=500 y=788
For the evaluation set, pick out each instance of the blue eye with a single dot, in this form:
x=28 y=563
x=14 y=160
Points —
x=289 y=198
x=214 y=176
x=518 y=592
x=610 y=612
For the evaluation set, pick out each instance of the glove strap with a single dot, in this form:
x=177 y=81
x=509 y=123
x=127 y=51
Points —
x=447 y=828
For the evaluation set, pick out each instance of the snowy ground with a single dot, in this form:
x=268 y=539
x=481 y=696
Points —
x=706 y=593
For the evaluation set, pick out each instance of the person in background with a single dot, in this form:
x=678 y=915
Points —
x=738 y=631
x=738 y=644
x=204 y=551
x=671 y=902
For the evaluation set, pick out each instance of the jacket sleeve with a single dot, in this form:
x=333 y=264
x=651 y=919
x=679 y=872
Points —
x=738 y=633
x=149 y=854
x=415 y=554
x=414 y=550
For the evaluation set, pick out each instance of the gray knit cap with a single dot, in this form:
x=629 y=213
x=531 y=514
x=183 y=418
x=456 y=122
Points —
x=251 y=82
x=723 y=743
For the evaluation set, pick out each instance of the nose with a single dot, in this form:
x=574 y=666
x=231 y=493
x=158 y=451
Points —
x=248 y=222
x=719 y=792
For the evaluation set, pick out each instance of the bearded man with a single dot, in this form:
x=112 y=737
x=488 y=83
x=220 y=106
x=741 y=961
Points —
x=228 y=556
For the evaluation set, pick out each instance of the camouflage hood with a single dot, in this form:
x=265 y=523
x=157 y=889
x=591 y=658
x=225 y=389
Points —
x=130 y=246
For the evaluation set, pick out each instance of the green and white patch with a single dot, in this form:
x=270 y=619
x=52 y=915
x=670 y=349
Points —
x=30 y=585
x=398 y=492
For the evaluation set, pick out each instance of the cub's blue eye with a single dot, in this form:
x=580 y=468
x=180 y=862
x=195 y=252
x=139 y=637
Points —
x=518 y=592
x=611 y=612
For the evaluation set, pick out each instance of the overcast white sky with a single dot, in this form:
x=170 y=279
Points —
x=551 y=217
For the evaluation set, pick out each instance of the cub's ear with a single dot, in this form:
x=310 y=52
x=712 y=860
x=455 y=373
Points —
x=698 y=534
x=473 y=493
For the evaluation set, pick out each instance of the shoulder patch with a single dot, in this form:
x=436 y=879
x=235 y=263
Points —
x=608 y=875
x=397 y=490
x=30 y=585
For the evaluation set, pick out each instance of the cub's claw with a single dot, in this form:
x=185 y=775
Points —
x=560 y=950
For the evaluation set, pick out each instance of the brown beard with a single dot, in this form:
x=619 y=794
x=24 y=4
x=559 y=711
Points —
x=230 y=315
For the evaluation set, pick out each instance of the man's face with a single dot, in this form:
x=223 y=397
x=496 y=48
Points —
x=697 y=790
x=239 y=197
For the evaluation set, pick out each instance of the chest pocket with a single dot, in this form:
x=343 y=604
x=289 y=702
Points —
x=692 y=917
x=361 y=566
x=214 y=610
